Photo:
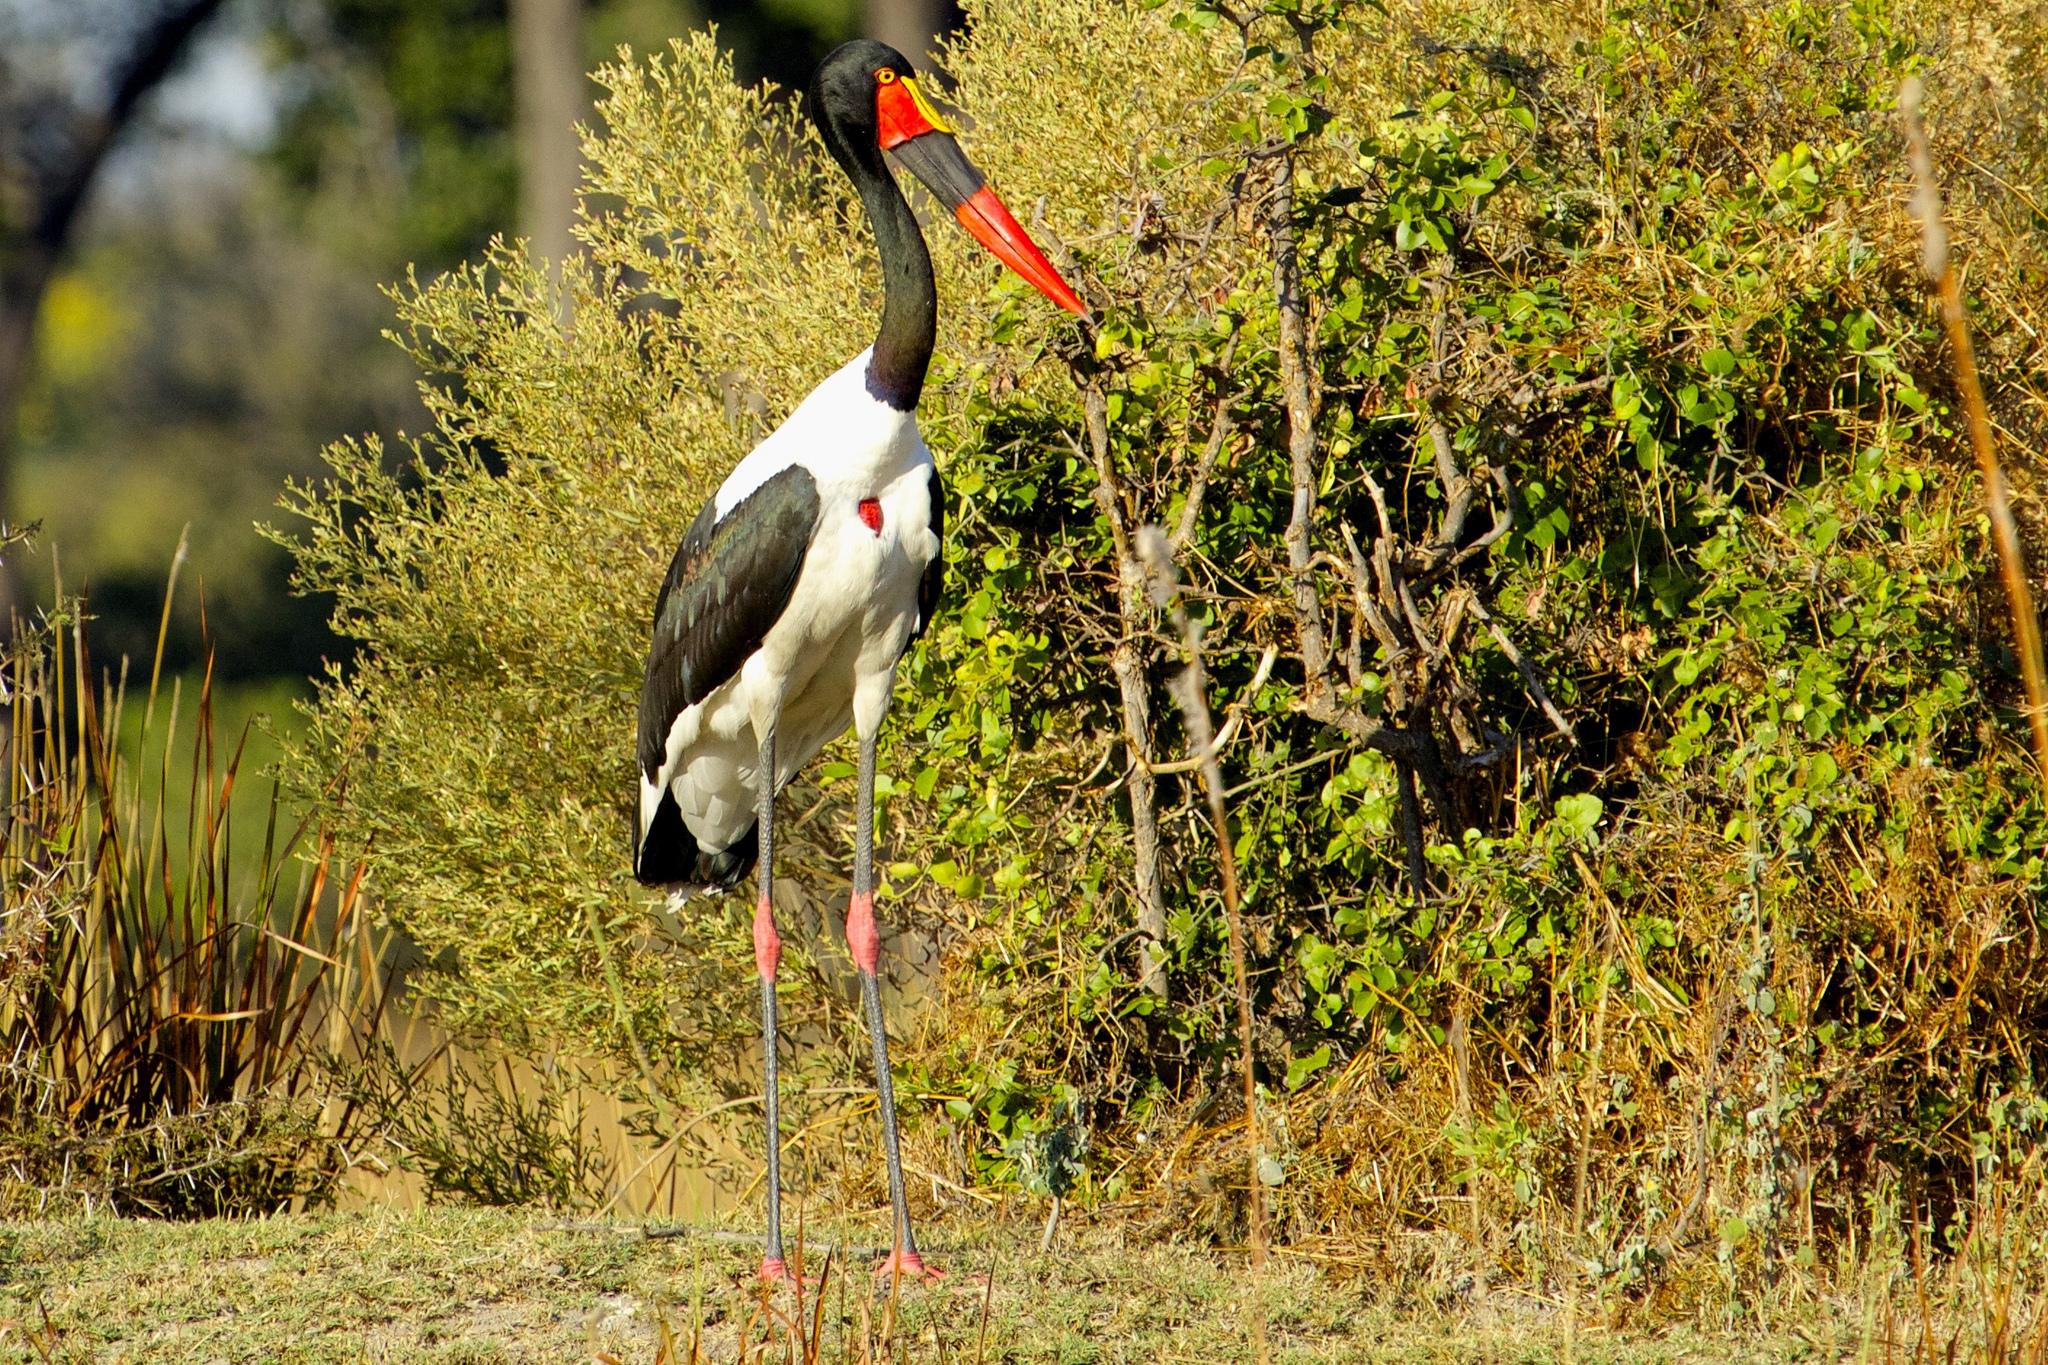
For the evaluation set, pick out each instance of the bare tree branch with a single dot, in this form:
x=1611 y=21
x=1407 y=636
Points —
x=1301 y=431
x=1128 y=669
x=1412 y=746
x=1219 y=432
x=1528 y=672
x=1191 y=690
x=1228 y=730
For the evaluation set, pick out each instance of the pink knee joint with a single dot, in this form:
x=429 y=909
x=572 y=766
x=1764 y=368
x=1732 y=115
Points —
x=863 y=940
x=767 y=943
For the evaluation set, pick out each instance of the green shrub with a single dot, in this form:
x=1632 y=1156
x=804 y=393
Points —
x=1589 y=540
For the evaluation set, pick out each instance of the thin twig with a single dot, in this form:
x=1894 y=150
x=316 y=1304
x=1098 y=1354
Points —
x=1219 y=432
x=1458 y=1038
x=1267 y=659
x=1527 y=670
x=1368 y=609
x=1589 y=1104
x=1941 y=272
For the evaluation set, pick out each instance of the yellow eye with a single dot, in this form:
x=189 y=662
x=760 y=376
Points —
x=885 y=77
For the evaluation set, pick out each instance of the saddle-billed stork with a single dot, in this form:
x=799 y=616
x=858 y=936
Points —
x=810 y=571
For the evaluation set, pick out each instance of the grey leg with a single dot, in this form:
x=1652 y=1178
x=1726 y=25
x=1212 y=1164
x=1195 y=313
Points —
x=767 y=957
x=864 y=940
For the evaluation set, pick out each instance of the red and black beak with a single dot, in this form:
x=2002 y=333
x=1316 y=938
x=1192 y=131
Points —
x=911 y=129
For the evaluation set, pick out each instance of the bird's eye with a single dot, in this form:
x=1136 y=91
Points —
x=885 y=77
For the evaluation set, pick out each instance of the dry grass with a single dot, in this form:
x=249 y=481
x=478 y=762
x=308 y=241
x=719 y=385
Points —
x=168 y=1002
x=452 y=1285
x=1657 y=1157
x=471 y=1285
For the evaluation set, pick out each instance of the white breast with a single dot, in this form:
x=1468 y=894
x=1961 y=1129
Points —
x=841 y=433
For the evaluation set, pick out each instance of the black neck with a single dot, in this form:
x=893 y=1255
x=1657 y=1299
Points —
x=910 y=300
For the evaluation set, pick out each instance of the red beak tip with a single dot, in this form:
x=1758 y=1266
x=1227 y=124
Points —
x=990 y=223
x=1064 y=295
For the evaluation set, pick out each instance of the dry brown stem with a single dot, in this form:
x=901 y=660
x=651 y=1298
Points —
x=1941 y=272
x=1589 y=1109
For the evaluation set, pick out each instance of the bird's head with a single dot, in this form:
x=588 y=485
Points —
x=867 y=101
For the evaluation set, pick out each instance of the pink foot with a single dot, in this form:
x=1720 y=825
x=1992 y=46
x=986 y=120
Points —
x=910 y=1266
x=775 y=1271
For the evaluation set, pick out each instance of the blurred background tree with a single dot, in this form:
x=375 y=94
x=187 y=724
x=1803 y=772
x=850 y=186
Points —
x=71 y=82
x=201 y=202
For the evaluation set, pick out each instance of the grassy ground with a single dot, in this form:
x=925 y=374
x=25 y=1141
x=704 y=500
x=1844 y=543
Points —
x=450 y=1285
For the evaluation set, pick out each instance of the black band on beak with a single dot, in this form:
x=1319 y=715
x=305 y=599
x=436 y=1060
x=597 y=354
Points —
x=936 y=159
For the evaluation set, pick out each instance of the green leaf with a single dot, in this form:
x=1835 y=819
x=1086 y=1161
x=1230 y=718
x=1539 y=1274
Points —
x=1578 y=815
x=1626 y=397
x=1302 y=1068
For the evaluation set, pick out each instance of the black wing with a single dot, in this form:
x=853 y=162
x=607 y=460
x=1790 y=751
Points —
x=726 y=588
x=934 y=580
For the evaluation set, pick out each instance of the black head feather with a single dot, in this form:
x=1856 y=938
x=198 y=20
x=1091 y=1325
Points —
x=843 y=100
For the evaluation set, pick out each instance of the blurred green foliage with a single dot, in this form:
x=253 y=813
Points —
x=221 y=315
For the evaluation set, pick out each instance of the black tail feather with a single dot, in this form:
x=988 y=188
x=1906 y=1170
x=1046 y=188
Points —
x=669 y=854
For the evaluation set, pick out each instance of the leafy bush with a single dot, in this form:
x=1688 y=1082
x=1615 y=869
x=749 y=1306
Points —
x=1547 y=416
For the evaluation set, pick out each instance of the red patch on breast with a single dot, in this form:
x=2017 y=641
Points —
x=871 y=514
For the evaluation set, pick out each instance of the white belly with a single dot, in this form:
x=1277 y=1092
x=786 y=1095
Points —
x=829 y=660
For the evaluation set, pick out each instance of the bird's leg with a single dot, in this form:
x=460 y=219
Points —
x=864 y=940
x=767 y=957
